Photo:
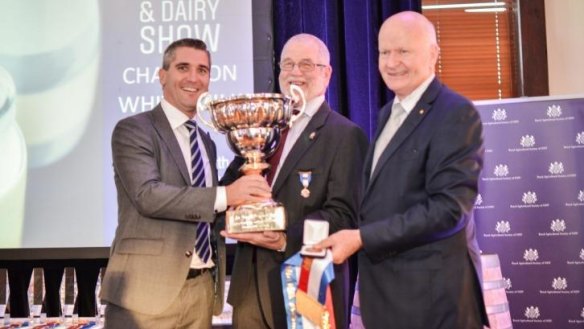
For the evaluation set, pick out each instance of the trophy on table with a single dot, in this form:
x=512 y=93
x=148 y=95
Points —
x=252 y=124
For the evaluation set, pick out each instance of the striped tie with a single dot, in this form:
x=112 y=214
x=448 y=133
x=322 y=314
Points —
x=202 y=242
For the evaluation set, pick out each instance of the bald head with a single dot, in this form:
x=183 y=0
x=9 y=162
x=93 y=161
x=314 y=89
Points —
x=320 y=48
x=414 y=23
x=408 y=52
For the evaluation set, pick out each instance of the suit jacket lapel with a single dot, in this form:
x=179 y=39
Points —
x=418 y=113
x=161 y=124
x=304 y=142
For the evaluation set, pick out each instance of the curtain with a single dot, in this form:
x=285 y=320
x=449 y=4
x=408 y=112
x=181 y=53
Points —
x=349 y=28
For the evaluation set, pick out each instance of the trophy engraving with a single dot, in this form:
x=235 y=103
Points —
x=252 y=124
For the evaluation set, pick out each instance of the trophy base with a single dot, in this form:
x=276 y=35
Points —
x=256 y=217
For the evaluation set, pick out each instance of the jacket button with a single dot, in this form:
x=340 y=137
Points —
x=188 y=253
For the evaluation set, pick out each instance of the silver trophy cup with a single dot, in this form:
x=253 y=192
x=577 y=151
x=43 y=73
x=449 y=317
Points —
x=252 y=124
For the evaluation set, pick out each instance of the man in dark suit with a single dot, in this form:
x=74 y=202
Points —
x=156 y=276
x=421 y=179
x=322 y=155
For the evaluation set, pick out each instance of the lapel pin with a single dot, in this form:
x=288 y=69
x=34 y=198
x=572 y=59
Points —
x=312 y=135
x=422 y=111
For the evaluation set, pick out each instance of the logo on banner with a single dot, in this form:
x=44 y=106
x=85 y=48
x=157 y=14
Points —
x=479 y=203
x=532 y=312
x=532 y=315
x=577 y=261
x=503 y=229
x=579 y=203
x=556 y=170
x=559 y=286
x=580 y=138
x=559 y=283
x=531 y=257
x=527 y=143
x=558 y=225
x=509 y=285
x=499 y=117
x=529 y=200
x=558 y=228
x=501 y=172
x=554 y=113
x=579 y=142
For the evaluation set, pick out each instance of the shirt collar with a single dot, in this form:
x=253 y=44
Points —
x=313 y=105
x=410 y=101
x=175 y=117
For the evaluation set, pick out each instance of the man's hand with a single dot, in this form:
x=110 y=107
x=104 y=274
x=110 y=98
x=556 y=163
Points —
x=275 y=240
x=248 y=188
x=343 y=244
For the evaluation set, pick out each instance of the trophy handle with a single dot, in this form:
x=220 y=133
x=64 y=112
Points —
x=203 y=106
x=297 y=91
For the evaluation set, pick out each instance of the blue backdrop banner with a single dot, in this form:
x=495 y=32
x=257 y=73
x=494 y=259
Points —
x=530 y=208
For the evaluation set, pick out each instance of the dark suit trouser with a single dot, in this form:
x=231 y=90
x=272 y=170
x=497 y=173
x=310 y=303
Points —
x=249 y=313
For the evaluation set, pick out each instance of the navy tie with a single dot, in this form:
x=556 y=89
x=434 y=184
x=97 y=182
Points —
x=202 y=245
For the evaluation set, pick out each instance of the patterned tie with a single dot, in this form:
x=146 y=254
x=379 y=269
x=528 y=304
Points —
x=202 y=241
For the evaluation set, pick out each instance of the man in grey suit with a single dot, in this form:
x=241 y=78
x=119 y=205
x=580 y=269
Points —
x=156 y=276
x=318 y=177
x=421 y=180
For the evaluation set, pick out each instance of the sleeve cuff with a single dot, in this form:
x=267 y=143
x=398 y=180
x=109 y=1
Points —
x=220 y=199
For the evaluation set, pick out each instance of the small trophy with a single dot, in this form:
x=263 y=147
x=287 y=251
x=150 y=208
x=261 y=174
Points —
x=252 y=124
x=99 y=306
x=68 y=296
x=36 y=295
x=4 y=291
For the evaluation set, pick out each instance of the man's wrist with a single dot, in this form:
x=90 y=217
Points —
x=283 y=247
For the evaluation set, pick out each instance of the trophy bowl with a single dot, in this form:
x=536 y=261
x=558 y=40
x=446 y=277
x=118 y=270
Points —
x=252 y=124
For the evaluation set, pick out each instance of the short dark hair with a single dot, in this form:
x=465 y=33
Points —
x=170 y=51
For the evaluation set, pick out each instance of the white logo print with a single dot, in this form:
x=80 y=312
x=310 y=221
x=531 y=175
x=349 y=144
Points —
x=479 y=200
x=581 y=196
x=530 y=255
x=559 y=283
x=503 y=227
x=501 y=170
x=508 y=284
x=558 y=225
x=529 y=197
x=582 y=254
x=532 y=312
x=580 y=138
x=499 y=114
x=527 y=141
x=582 y=314
x=554 y=111
x=556 y=168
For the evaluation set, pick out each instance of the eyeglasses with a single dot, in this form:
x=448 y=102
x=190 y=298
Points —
x=303 y=66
